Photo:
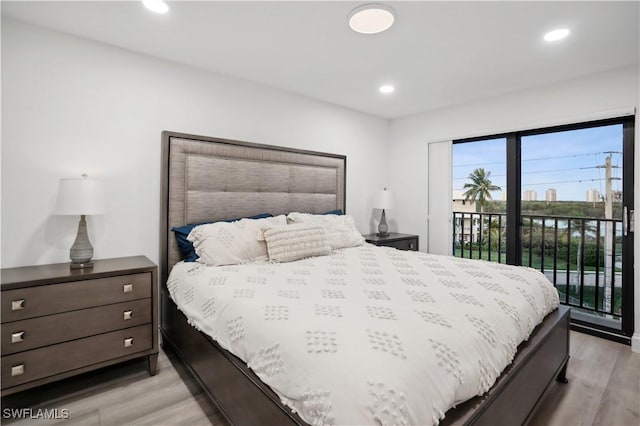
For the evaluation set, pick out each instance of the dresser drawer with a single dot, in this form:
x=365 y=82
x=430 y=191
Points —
x=18 y=336
x=44 y=300
x=35 y=364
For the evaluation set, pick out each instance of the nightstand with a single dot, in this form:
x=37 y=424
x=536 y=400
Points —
x=399 y=241
x=58 y=322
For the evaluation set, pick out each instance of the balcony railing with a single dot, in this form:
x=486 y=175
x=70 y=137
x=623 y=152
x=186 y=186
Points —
x=580 y=256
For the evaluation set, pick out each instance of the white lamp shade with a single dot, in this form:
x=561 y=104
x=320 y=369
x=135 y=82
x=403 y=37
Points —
x=383 y=199
x=80 y=196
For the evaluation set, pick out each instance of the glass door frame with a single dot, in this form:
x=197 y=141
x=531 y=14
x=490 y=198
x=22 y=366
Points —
x=514 y=223
x=628 y=202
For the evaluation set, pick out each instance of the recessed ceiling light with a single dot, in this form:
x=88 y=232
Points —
x=371 y=18
x=555 y=35
x=157 y=6
x=387 y=88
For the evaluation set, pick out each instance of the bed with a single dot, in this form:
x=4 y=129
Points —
x=209 y=179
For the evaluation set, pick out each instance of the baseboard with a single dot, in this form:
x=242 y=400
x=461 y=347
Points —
x=635 y=342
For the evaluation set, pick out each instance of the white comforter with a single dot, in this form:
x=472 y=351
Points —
x=368 y=335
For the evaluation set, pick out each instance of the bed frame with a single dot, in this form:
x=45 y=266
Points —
x=208 y=179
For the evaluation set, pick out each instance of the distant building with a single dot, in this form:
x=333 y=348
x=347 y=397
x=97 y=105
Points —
x=466 y=230
x=593 y=196
x=616 y=196
x=460 y=204
x=530 y=195
x=551 y=195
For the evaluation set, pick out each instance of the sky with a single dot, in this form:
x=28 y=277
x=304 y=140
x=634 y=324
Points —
x=565 y=161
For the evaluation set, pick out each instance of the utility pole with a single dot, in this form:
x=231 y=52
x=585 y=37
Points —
x=608 y=234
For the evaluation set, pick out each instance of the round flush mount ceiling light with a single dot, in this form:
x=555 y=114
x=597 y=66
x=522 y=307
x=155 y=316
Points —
x=157 y=6
x=387 y=88
x=371 y=18
x=556 y=35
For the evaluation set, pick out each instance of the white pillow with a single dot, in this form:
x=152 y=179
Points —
x=231 y=243
x=340 y=230
x=286 y=243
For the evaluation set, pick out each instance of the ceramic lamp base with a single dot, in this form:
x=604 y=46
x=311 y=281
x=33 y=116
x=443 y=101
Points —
x=81 y=251
x=383 y=229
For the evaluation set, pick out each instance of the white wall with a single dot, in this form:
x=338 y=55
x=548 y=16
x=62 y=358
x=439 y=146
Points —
x=597 y=96
x=70 y=105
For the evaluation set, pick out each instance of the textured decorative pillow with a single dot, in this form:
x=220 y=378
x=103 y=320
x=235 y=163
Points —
x=287 y=243
x=182 y=232
x=231 y=243
x=341 y=231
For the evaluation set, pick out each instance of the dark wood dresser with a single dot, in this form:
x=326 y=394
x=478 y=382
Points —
x=399 y=241
x=58 y=322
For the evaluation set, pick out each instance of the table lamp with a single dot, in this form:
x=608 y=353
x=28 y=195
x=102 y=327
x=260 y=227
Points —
x=80 y=196
x=383 y=200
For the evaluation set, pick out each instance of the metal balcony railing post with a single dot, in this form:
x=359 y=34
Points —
x=562 y=227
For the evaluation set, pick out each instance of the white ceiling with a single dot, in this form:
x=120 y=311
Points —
x=437 y=53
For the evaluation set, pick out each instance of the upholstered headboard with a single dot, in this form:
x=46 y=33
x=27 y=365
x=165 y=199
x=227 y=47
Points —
x=208 y=179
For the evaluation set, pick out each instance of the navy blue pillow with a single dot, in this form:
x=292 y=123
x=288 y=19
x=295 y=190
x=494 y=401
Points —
x=185 y=246
x=336 y=212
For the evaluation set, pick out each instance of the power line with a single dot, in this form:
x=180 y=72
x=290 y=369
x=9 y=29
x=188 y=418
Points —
x=480 y=164
x=563 y=181
x=571 y=155
x=542 y=158
x=534 y=172
x=559 y=156
x=553 y=170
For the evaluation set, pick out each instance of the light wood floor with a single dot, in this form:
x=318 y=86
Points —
x=603 y=389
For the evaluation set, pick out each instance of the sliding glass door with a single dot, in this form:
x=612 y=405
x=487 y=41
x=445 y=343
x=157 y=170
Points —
x=479 y=174
x=573 y=188
x=565 y=200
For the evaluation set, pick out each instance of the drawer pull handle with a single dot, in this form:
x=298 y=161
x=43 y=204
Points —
x=127 y=315
x=16 y=305
x=17 y=370
x=128 y=342
x=127 y=288
x=17 y=337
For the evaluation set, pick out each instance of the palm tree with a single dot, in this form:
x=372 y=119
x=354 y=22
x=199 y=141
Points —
x=479 y=188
